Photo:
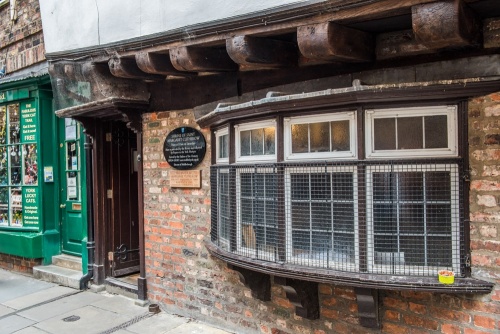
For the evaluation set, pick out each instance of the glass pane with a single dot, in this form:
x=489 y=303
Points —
x=439 y=219
x=269 y=141
x=257 y=142
x=71 y=129
x=384 y=133
x=71 y=155
x=247 y=236
x=72 y=186
x=300 y=216
x=384 y=218
x=300 y=138
x=321 y=216
x=301 y=241
x=245 y=143
x=270 y=213
x=414 y=251
x=246 y=184
x=411 y=186
x=14 y=126
x=410 y=134
x=258 y=185
x=343 y=188
x=223 y=146
x=411 y=218
x=246 y=210
x=343 y=217
x=300 y=186
x=320 y=186
x=16 y=207
x=15 y=164
x=343 y=247
x=438 y=186
x=4 y=167
x=436 y=131
x=30 y=164
x=4 y=206
x=383 y=185
x=439 y=252
x=340 y=136
x=385 y=247
x=320 y=137
x=321 y=243
x=3 y=125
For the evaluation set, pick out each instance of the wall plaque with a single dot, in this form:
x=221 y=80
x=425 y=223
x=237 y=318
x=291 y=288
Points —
x=184 y=148
x=185 y=178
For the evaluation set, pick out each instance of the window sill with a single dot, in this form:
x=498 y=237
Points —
x=357 y=280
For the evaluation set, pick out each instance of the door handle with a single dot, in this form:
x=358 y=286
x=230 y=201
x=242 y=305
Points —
x=62 y=206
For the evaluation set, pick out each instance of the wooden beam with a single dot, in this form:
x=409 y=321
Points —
x=491 y=33
x=399 y=44
x=156 y=63
x=333 y=42
x=122 y=67
x=196 y=59
x=444 y=24
x=261 y=52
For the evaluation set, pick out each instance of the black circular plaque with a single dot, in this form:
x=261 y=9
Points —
x=184 y=148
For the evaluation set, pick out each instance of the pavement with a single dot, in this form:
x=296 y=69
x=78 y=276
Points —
x=30 y=306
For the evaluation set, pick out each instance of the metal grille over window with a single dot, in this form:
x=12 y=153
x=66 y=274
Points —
x=391 y=217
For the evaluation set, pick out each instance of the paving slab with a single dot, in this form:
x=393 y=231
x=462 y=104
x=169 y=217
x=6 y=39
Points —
x=38 y=297
x=14 y=323
x=30 y=330
x=13 y=286
x=92 y=320
x=157 y=324
x=120 y=305
x=196 y=328
x=61 y=306
x=4 y=310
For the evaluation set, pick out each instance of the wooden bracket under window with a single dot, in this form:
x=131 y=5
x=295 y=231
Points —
x=303 y=295
x=367 y=307
x=259 y=283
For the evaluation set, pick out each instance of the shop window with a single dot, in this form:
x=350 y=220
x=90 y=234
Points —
x=395 y=212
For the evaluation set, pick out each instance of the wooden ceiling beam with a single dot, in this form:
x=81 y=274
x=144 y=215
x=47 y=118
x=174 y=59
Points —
x=122 y=67
x=333 y=42
x=261 y=53
x=156 y=63
x=197 y=59
x=444 y=24
x=399 y=44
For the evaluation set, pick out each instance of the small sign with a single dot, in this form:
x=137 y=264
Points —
x=185 y=178
x=184 y=148
x=48 y=174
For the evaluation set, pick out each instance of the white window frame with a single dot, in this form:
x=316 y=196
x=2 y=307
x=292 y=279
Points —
x=451 y=150
x=455 y=215
x=288 y=219
x=263 y=255
x=254 y=126
x=341 y=116
x=218 y=134
x=224 y=242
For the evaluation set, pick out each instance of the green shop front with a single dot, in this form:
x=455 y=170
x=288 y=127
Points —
x=42 y=182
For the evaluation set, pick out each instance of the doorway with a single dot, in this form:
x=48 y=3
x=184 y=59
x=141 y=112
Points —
x=122 y=198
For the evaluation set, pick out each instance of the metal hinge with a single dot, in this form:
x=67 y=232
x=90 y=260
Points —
x=109 y=193
x=466 y=176
x=111 y=256
x=109 y=136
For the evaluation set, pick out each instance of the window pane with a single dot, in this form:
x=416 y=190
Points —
x=16 y=207
x=14 y=126
x=320 y=186
x=4 y=206
x=438 y=186
x=321 y=242
x=15 y=164
x=342 y=186
x=248 y=236
x=383 y=185
x=384 y=132
x=384 y=219
x=320 y=137
x=439 y=252
x=223 y=146
x=343 y=247
x=414 y=250
x=438 y=219
x=411 y=218
x=30 y=164
x=4 y=165
x=436 y=131
x=301 y=242
x=300 y=216
x=300 y=138
x=300 y=186
x=269 y=141
x=3 y=125
x=321 y=216
x=257 y=140
x=411 y=185
x=343 y=217
x=340 y=136
x=245 y=143
x=410 y=134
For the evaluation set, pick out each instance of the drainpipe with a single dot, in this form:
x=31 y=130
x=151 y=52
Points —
x=90 y=214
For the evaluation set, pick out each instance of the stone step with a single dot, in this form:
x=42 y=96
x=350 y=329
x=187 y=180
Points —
x=67 y=261
x=59 y=275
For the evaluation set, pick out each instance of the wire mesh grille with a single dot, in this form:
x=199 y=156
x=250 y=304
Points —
x=386 y=218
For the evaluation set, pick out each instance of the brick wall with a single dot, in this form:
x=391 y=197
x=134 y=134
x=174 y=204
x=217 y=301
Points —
x=21 y=41
x=183 y=278
x=18 y=264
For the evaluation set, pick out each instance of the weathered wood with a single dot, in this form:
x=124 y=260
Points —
x=331 y=41
x=367 y=307
x=491 y=33
x=445 y=24
x=127 y=68
x=399 y=44
x=156 y=63
x=261 y=52
x=303 y=295
x=196 y=59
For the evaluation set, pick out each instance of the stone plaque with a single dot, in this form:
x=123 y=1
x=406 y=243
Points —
x=184 y=148
x=185 y=178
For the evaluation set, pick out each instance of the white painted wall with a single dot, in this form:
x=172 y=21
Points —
x=74 y=24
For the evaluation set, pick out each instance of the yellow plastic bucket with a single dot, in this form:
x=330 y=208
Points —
x=446 y=276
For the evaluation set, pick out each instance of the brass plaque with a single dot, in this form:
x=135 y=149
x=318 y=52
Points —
x=185 y=178
x=76 y=206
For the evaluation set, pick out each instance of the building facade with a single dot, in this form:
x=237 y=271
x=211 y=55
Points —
x=300 y=167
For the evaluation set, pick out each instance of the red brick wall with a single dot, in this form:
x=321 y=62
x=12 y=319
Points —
x=21 y=41
x=184 y=278
x=18 y=264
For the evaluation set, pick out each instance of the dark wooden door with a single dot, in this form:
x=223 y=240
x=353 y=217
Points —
x=122 y=196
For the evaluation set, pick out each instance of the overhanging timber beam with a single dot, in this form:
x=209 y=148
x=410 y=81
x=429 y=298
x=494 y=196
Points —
x=445 y=24
x=156 y=63
x=122 y=67
x=198 y=59
x=249 y=51
x=332 y=42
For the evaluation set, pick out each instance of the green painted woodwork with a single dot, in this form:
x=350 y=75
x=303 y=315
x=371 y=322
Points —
x=24 y=244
